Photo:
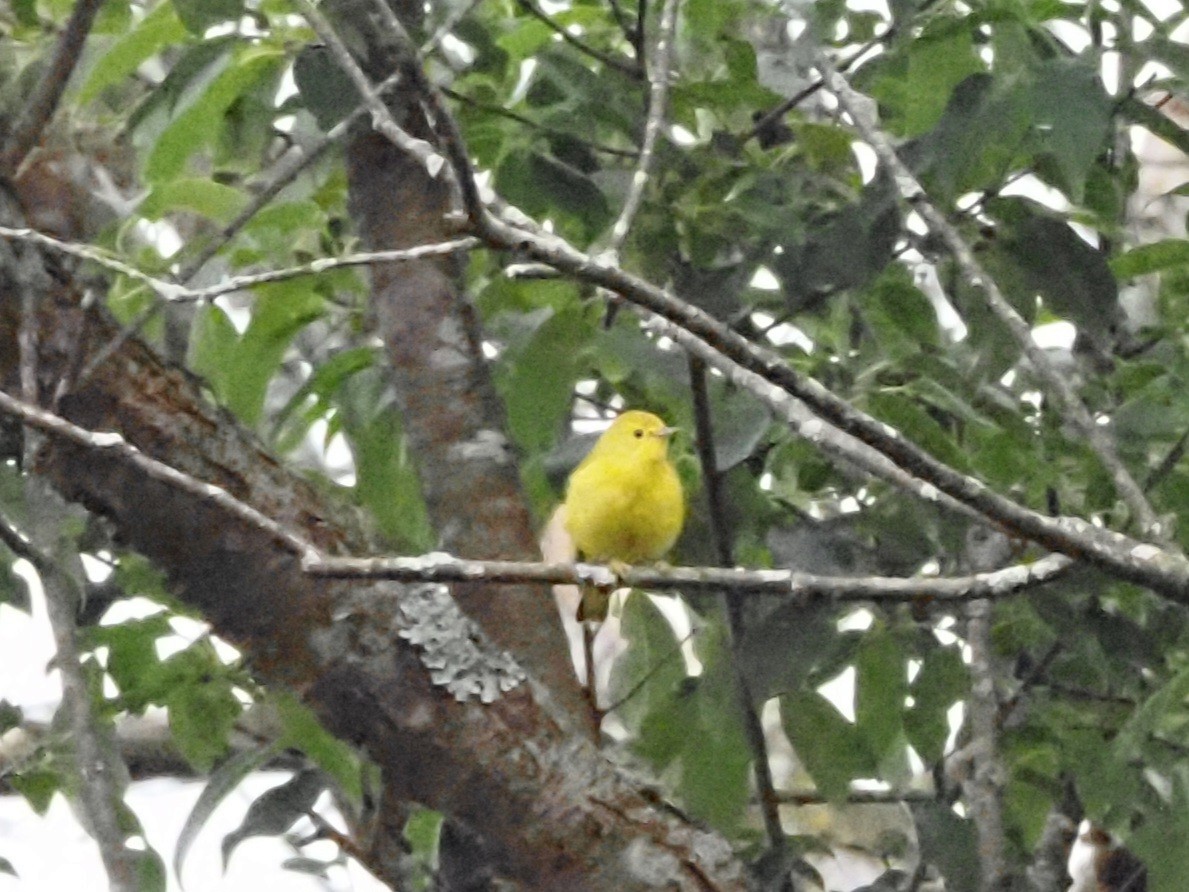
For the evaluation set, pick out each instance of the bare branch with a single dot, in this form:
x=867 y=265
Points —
x=732 y=608
x=987 y=779
x=658 y=93
x=607 y=59
x=101 y=774
x=433 y=160
x=440 y=567
x=174 y=292
x=1055 y=383
x=59 y=428
x=1160 y=569
x=39 y=108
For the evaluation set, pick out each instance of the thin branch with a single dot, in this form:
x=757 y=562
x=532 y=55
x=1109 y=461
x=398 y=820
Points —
x=101 y=776
x=771 y=117
x=632 y=71
x=441 y=567
x=113 y=444
x=984 y=788
x=39 y=108
x=732 y=606
x=171 y=291
x=695 y=330
x=1055 y=383
x=857 y=797
x=435 y=163
x=494 y=109
x=444 y=125
x=658 y=94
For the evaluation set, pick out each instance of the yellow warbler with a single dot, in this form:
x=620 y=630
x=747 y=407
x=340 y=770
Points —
x=624 y=502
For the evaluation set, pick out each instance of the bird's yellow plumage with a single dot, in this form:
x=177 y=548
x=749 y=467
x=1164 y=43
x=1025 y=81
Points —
x=624 y=502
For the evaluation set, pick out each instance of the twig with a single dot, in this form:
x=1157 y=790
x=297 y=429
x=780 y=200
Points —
x=101 y=776
x=114 y=444
x=1055 y=383
x=695 y=330
x=438 y=567
x=441 y=567
x=771 y=117
x=37 y=111
x=984 y=787
x=658 y=94
x=537 y=125
x=732 y=606
x=857 y=797
x=607 y=59
x=171 y=291
x=435 y=163
x=445 y=127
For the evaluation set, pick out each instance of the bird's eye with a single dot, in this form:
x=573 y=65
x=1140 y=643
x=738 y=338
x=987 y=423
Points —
x=638 y=433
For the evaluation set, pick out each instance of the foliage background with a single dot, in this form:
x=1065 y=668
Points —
x=1019 y=118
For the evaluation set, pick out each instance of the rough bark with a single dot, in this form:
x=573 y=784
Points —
x=450 y=411
x=556 y=811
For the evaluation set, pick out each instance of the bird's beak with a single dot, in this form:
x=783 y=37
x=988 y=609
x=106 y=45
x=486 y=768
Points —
x=667 y=432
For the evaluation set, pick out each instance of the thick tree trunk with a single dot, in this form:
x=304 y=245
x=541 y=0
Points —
x=556 y=811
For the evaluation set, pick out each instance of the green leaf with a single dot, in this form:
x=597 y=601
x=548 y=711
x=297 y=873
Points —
x=831 y=748
x=201 y=717
x=903 y=318
x=222 y=781
x=697 y=732
x=903 y=412
x=1153 y=257
x=202 y=196
x=157 y=30
x=132 y=660
x=6 y=867
x=200 y=123
x=543 y=186
x=881 y=687
x=10 y=716
x=14 y=589
x=386 y=480
x=935 y=67
x=537 y=377
x=949 y=842
x=941 y=681
x=38 y=785
x=325 y=88
x=1071 y=118
x=277 y=809
x=240 y=368
x=1071 y=277
x=303 y=731
x=651 y=667
x=199 y=15
x=740 y=424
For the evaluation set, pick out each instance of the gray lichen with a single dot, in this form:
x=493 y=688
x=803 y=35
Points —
x=456 y=653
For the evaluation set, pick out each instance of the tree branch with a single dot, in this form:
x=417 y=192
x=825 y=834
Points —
x=1055 y=383
x=40 y=106
x=173 y=292
x=658 y=93
x=1126 y=558
x=633 y=71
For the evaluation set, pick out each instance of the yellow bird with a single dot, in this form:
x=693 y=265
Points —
x=624 y=502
